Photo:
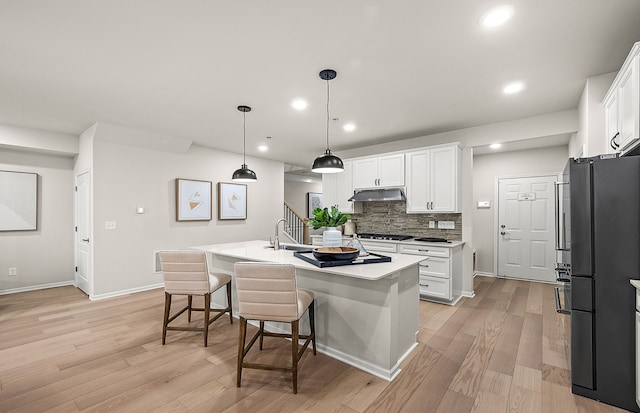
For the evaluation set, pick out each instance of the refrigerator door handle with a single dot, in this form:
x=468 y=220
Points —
x=559 y=308
x=560 y=224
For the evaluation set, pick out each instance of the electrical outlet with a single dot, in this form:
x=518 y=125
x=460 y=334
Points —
x=110 y=225
x=446 y=225
x=13 y=271
x=432 y=224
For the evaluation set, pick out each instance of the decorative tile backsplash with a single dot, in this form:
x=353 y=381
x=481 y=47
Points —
x=392 y=218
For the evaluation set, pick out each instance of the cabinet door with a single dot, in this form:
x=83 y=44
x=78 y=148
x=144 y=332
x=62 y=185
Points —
x=365 y=173
x=344 y=188
x=329 y=190
x=418 y=175
x=444 y=179
x=611 y=127
x=628 y=106
x=391 y=170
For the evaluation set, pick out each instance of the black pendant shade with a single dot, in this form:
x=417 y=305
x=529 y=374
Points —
x=244 y=174
x=327 y=163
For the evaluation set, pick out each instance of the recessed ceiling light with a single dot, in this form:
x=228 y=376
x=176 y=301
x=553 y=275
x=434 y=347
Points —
x=495 y=145
x=263 y=148
x=496 y=17
x=513 y=87
x=299 y=104
x=349 y=127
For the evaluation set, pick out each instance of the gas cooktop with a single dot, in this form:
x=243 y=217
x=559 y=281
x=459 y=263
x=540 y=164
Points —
x=390 y=237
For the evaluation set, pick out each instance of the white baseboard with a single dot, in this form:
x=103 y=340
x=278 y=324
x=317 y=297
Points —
x=96 y=297
x=484 y=274
x=36 y=287
x=468 y=294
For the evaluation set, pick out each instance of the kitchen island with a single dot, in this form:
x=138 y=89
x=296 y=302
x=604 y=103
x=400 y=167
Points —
x=366 y=315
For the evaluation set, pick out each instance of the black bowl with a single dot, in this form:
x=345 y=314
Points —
x=336 y=253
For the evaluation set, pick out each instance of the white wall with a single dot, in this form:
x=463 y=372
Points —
x=43 y=257
x=125 y=177
x=590 y=139
x=485 y=170
x=295 y=194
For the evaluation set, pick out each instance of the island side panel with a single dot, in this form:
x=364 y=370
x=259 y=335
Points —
x=406 y=314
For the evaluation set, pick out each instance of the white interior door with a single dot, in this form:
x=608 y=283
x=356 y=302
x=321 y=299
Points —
x=526 y=237
x=83 y=229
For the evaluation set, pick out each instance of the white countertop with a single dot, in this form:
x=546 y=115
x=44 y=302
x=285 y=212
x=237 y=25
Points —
x=451 y=244
x=256 y=250
x=635 y=283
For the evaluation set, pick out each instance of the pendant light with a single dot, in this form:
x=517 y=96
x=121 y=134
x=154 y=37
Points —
x=244 y=174
x=327 y=163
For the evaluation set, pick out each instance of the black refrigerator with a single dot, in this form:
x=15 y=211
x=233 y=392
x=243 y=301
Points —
x=599 y=236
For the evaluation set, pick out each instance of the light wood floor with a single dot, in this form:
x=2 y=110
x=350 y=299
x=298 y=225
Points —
x=500 y=351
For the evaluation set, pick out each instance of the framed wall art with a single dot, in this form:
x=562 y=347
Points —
x=314 y=200
x=232 y=201
x=193 y=200
x=18 y=201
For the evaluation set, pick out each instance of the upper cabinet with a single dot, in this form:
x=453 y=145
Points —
x=337 y=188
x=622 y=106
x=433 y=179
x=378 y=171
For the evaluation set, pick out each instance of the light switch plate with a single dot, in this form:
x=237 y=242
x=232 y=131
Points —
x=446 y=225
x=484 y=204
x=110 y=225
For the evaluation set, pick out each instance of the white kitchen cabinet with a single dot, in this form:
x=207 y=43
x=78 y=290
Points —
x=638 y=358
x=440 y=271
x=433 y=179
x=378 y=171
x=337 y=188
x=622 y=106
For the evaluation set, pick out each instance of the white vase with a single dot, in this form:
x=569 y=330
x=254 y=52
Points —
x=331 y=237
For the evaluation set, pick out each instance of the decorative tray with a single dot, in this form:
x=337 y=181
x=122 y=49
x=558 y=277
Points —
x=369 y=259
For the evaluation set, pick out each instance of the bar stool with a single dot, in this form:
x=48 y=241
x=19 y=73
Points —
x=187 y=273
x=268 y=292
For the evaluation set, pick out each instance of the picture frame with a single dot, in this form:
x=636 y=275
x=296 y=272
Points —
x=18 y=201
x=232 y=201
x=193 y=200
x=314 y=200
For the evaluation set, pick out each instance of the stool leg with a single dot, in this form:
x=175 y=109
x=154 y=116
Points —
x=294 y=354
x=189 y=302
x=229 y=302
x=207 y=311
x=261 y=333
x=241 y=341
x=165 y=322
x=312 y=324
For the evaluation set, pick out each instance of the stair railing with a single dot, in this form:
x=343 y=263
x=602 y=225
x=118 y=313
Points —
x=297 y=229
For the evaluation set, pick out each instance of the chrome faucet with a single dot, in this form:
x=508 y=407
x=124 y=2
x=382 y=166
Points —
x=276 y=242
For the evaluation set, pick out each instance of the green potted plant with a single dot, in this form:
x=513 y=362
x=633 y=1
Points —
x=323 y=218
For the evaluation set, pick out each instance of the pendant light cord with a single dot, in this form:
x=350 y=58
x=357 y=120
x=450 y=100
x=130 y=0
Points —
x=327 y=114
x=244 y=138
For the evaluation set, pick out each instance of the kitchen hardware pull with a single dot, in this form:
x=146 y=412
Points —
x=559 y=308
x=424 y=285
x=502 y=233
x=85 y=239
x=424 y=251
x=613 y=143
x=563 y=280
x=502 y=226
x=559 y=218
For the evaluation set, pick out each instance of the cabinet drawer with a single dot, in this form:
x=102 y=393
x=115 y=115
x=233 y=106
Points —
x=425 y=250
x=435 y=267
x=379 y=246
x=435 y=287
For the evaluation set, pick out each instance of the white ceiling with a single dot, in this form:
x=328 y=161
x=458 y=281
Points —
x=405 y=68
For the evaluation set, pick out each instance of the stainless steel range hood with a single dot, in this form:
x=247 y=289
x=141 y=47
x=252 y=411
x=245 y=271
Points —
x=388 y=194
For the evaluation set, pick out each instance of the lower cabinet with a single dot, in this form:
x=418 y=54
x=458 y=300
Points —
x=440 y=271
